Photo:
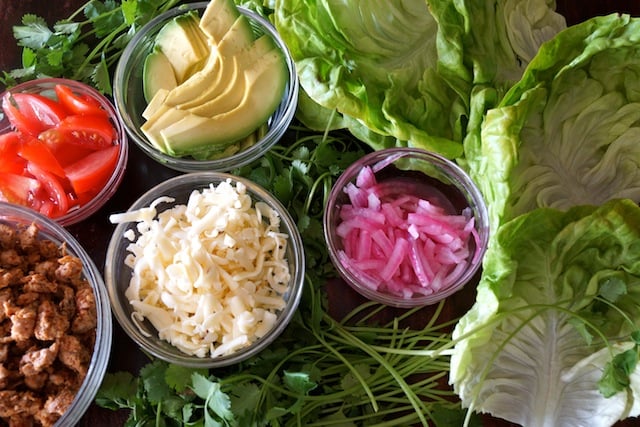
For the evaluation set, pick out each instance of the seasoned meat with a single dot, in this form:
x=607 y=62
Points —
x=21 y=421
x=73 y=354
x=15 y=403
x=10 y=258
x=64 y=378
x=36 y=381
x=51 y=324
x=22 y=323
x=48 y=249
x=7 y=236
x=39 y=283
x=67 y=304
x=47 y=328
x=8 y=377
x=10 y=276
x=59 y=403
x=36 y=361
x=86 y=317
x=46 y=268
x=28 y=239
x=69 y=270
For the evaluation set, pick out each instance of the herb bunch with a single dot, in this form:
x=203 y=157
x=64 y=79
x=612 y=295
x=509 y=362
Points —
x=84 y=46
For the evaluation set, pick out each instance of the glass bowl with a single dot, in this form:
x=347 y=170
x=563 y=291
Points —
x=87 y=207
x=119 y=274
x=405 y=227
x=18 y=217
x=130 y=100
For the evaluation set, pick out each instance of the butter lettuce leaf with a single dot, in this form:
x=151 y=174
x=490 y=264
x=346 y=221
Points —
x=547 y=321
x=375 y=61
x=567 y=132
x=405 y=70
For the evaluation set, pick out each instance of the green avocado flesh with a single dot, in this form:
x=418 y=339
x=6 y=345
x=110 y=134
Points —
x=210 y=92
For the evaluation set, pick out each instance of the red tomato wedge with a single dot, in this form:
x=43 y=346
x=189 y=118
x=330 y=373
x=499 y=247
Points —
x=78 y=104
x=93 y=171
x=32 y=113
x=91 y=132
x=18 y=189
x=10 y=161
x=35 y=151
x=53 y=189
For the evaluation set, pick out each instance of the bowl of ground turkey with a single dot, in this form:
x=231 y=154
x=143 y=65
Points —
x=55 y=323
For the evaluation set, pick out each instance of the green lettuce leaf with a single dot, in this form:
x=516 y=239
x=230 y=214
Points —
x=549 y=317
x=405 y=70
x=375 y=61
x=567 y=133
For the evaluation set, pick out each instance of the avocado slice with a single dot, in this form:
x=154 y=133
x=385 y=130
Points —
x=237 y=38
x=201 y=81
x=161 y=118
x=157 y=74
x=213 y=99
x=217 y=18
x=184 y=44
x=193 y=133
x=245 y=81
x=155 y=103
x=227 y=72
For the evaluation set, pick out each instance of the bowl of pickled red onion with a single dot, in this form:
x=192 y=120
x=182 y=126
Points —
x=406 y=227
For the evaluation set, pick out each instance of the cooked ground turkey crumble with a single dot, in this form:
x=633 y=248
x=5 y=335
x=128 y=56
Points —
x=47 y=328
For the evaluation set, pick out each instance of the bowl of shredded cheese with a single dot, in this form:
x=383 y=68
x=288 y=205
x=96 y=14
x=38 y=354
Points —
x=205 y=269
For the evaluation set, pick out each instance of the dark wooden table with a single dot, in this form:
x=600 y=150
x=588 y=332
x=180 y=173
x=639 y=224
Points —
x=143 y=173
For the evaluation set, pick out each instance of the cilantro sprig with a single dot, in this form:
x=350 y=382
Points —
x=84 y=46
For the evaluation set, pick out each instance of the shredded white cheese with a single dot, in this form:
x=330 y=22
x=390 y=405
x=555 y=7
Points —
x=209 y=275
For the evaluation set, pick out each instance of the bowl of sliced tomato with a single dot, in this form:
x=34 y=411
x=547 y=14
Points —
x=63 y=148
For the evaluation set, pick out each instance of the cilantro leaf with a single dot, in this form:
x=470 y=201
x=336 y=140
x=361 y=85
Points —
x=617 y=372
x=117 y=391
x=34 y=32
x=154 y=383
x=216 y=400
x=179 y=377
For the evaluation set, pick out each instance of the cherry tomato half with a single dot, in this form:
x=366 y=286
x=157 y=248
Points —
x=92 y=171
x=32 y=113
x=78 y=104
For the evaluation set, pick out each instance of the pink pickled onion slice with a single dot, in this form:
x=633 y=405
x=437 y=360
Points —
x=399 y=243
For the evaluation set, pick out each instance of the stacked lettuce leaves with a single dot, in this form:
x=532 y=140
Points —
x=553 y=336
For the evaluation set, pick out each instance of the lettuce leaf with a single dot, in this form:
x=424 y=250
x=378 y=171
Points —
x=547 y=321
x=567 y=133
x=405 y=69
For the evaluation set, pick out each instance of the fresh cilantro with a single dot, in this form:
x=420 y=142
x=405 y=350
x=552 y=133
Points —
x=63 y=49
x=118 y=391
x=617 y=373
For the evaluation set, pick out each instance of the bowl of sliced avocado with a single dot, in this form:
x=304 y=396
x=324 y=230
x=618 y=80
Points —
x=206 y=86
